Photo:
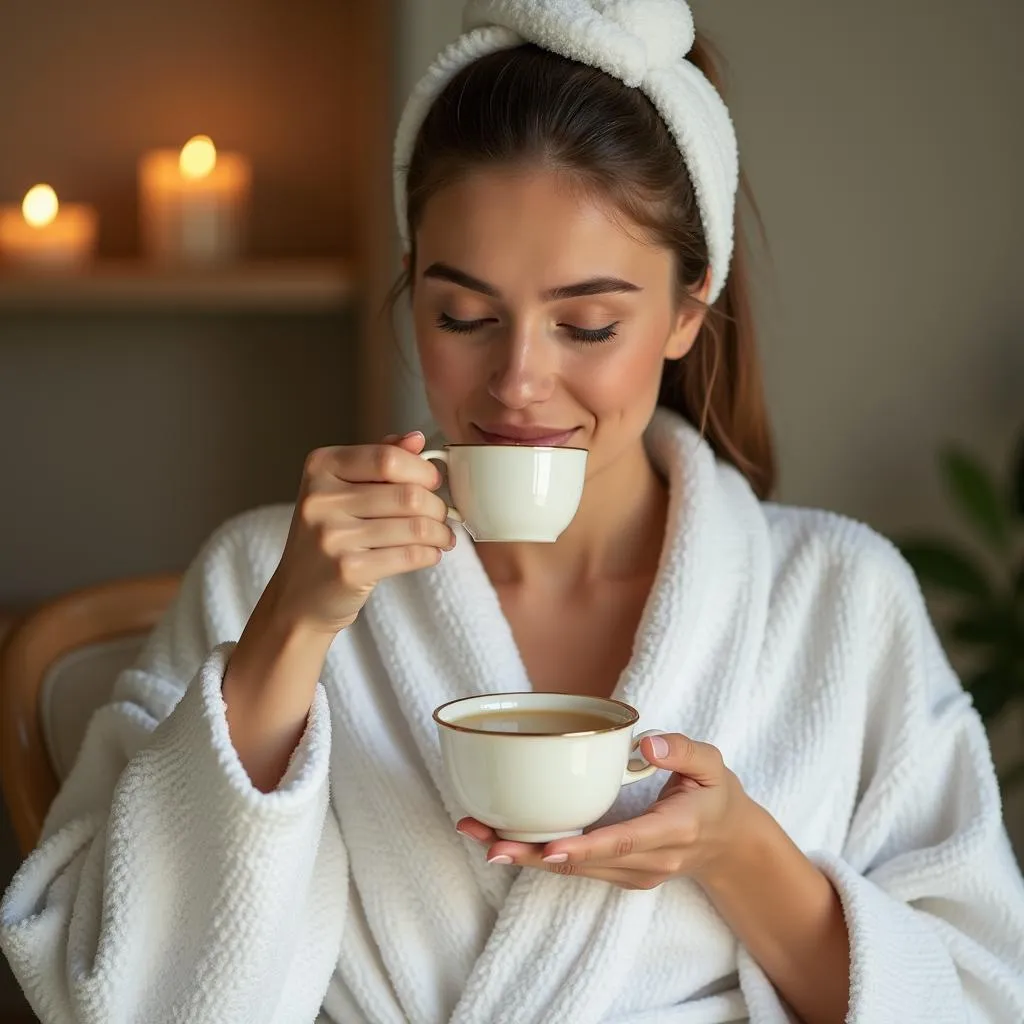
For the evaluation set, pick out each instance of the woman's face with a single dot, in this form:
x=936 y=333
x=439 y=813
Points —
x=541 y=318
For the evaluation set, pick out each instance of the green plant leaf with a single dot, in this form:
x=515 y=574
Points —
x=974 y=492
x=1017 y=480
x=992 y=689
x=940 y=564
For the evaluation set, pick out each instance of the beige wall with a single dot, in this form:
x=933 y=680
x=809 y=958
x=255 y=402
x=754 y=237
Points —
x=884 y=143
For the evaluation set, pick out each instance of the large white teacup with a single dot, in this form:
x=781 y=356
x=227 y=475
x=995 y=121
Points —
x=513 y=492
x=539 y=782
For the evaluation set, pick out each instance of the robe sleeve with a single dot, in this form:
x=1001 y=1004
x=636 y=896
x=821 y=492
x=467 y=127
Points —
x=167 y=887
x=931 y=893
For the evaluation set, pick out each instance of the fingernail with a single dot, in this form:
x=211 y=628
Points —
x=501 y=858
x=659 y=746
x=556 y=858
x=412 y=433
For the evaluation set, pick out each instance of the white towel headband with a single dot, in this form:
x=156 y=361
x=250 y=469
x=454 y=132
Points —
x=644 y=44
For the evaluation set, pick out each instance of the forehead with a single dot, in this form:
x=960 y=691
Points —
x=510 y=224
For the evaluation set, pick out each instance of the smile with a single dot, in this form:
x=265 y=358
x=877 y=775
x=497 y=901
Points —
x=548 y=437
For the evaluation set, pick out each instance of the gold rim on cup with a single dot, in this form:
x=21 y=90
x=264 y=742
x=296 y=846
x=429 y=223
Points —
x=633 y=713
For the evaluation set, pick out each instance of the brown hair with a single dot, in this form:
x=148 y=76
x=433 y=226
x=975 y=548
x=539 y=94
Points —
x=529 y=105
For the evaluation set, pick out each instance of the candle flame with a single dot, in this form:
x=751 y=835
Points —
x=39 y=207
x=198 y=157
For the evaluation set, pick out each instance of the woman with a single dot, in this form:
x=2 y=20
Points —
x=261 y=830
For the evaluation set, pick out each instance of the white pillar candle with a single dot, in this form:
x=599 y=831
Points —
x=43 y=234
x=193 y=204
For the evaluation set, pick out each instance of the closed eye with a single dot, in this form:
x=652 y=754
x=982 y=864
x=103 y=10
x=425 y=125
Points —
x=583 y=335
x=591 y=336
x=449 y=323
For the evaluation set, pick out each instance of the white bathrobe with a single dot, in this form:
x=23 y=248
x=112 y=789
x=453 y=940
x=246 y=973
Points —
x=167 y=888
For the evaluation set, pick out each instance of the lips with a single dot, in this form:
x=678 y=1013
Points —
x=504 y=433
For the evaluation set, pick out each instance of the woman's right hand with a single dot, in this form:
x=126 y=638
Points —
x=364 y=512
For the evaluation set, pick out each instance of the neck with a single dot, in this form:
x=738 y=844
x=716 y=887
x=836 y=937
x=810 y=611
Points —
x=617 y=533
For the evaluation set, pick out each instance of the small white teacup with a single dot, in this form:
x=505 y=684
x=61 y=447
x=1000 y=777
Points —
x=539 y=766
x=513 y=492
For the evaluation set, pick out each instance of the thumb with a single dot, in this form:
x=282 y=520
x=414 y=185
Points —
x=413 y=442
x=677 y=753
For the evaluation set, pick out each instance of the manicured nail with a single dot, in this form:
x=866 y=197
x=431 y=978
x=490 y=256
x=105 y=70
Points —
x=659 y=746
x=501 y=858
x=556 y=858
x=412 y=433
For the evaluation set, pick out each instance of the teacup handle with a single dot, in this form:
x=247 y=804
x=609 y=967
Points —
x=439 y=455
x=636 y=774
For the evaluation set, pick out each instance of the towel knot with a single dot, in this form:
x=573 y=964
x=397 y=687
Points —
x=664 y=27
x=627 y=38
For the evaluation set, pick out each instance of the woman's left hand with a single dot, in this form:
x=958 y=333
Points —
x=690 y=830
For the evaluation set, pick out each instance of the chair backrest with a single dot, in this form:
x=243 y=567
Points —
x=57 y=665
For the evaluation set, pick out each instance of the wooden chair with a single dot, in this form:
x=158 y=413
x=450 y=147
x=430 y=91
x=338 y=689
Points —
x=57 y=665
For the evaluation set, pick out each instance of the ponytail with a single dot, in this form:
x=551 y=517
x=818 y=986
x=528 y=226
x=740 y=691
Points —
x=718 y=385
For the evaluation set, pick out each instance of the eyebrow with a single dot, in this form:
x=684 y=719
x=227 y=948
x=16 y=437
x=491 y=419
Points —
x=592 y=286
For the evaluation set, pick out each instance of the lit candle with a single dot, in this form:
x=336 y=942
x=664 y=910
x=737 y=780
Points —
x=43 y=234
x=193 y=204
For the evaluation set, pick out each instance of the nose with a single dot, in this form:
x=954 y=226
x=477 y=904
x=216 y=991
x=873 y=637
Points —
x=525 y=371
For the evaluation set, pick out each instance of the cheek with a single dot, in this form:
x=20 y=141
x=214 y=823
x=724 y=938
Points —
x=613 y=382
x=451 y=368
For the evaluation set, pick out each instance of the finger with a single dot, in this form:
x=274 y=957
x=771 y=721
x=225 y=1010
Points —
x=358 y=569
x=473 y=829
x=373 y=463
x=406 y=440
x=372 y=534
x=638 y=835
x=344 y=512
x=505 y=851
x=641 y=835
x=641 y=841
x=664 y=862
x=386 y=501
x=413 y=442
x=698 y=761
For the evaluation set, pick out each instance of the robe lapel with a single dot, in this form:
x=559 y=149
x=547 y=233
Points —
x=560 y=949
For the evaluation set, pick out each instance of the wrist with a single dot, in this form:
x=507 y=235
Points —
x=748 y=843
x=275 y=645
x=276 y=613
x=268 y=689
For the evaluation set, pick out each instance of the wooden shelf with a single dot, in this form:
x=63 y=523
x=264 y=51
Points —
x=271 y=285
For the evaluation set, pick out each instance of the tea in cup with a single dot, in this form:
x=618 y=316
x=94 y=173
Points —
x=513 y=492
x=539 y=766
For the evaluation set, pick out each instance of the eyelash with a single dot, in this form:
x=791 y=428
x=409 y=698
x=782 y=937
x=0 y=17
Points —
x=578 y=334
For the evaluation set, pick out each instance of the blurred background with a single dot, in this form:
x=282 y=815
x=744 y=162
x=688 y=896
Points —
x=141 y=403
